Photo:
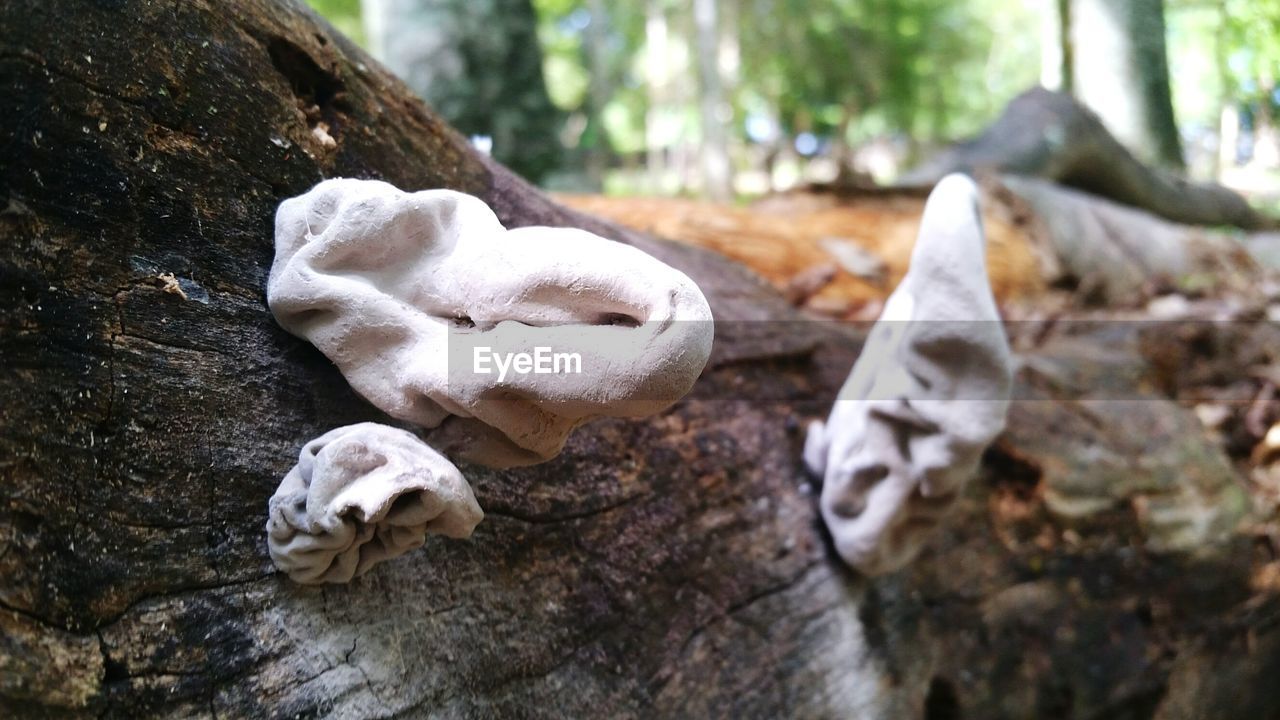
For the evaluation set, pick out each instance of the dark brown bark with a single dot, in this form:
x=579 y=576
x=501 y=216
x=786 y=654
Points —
x=667 y=568
x=1049 y=135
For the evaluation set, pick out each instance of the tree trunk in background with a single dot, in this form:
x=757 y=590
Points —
x=729 y=62
x=478 y=64
x=1121 y=71
x=598 y=89
x=671 y=567
x=1055 y=45
x=1266 y=136
x=717 y=174
x=1228 y=121
x=657 y=77
x=1228 y=139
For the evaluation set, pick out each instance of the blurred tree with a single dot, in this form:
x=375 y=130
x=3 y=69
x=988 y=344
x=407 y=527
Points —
x=1055 y=45
x=852 y=69
x=595 y=72
x=1121 y=72
x=1252 y=62
x=598 y=90
x=835 y=72
x=657 y=77
x=479 y=64
x=1220 y=55
x=830 y=75
x=716 y=170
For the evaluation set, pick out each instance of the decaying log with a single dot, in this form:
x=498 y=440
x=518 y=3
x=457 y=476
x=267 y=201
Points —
x=674 y=567
x=864 y=238
x=1049 y=135
x=839 y=251
x=1114 y=254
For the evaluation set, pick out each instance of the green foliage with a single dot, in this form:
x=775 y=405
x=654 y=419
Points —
x=913 y=65
x=1252 y=34
x=1222 y=51
x=853 y=70
x=343 y=15
x=929 y=69
x=568 y=68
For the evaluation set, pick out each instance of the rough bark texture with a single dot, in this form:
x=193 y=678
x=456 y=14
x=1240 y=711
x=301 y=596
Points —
x=669 y=568
x=1049 y=135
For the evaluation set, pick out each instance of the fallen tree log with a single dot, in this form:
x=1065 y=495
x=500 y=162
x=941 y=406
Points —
x=665 y=568
x=1049 y=135
x=838 y=252
x=864 y=239
x=1116 y=255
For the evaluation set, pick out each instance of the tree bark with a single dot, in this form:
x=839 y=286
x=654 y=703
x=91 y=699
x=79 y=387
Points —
x=663 y=568
x=1049 y=135
x=150 y=405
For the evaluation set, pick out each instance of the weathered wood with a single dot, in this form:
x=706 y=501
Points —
x=668 y=568
x=1049 y=135
x=785 y=236
x=146 y=424
x=1115 y=255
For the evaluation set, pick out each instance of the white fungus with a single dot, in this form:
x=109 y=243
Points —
x=928 y=394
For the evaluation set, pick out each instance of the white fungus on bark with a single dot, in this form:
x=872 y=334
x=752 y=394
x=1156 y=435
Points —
x=928 y=394
x=362 y=494
x=401 y=290
x=498 y=342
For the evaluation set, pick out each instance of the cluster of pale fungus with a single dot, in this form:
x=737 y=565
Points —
x=403 y=291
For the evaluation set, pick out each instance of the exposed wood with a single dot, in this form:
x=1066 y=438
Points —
x=665 y=568
x=1114 y=255
x=838 y=250
x=784 y=237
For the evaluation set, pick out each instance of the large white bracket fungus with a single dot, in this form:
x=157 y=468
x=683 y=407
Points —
x=500 y=342
x=927 y=395
x=362 y=494
x=401 y=290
